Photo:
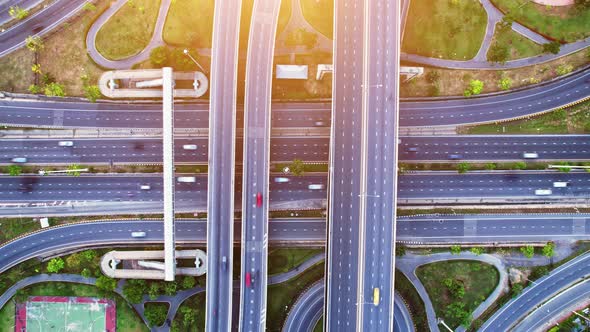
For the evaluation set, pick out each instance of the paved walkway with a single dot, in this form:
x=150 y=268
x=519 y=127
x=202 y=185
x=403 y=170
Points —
x=408 y=264
x=127 y=63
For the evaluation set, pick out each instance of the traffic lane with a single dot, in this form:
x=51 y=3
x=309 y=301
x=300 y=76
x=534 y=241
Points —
x=429 y=228
x=499 y=147
x=491 y=108
x=306 y=310
x=513 y=227
x=537 y=293
x=402 y=319
x=507 y=184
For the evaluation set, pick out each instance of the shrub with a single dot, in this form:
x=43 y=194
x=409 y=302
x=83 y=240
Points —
x=505 y=83
x=455 y=249
x=528 y=251
x=35 y=89
x=475 y=87
x=14 y=170
x=89 y=6
x=133 y=290
x=463 y=168
x=498 y=53
x=154 y=290
x=92 y=92
x=34 y=43
x=297 y=167
x=188 y=282
x=549 y=250
x=477 y=250
x=490 y=166
x=54 y=90
x=106 y=284
x=55 y=265
x=552 y=47
x=519 y=165
x=86 y=273
x=564 y=69
x=170 y=288
x=155 y=313
x=516 y=289
x=18 y=13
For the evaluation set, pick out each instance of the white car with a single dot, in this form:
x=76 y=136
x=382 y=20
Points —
x=145 y=187
x=137 y=234
x=186 y=179
x=281 y=180
x=315 y=187
x=543 y=192
x=189 y=146
x=65 y=143
x=530 y=155
x=19 y=160
x=560 y=184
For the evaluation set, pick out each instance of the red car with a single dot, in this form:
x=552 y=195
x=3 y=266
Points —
x=259 y=200
x=248 y=280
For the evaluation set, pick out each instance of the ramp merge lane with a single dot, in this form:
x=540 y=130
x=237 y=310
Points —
x=221 y=181
x=379 y=164
x=255 y=194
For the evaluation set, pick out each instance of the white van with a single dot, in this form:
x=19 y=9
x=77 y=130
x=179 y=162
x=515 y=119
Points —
x=189 y=146
x=186 y=179
x=137 y=234
x=65 y=143
x=145 y=187
x=543 y=192
x=560 y=184
x=530 y=155
x=315 y=187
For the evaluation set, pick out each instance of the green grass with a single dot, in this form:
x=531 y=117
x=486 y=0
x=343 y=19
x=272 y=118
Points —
x=320 y=15
x=449 y=29
x=283 y=260
x=573 y=120
x=406 y=290
x=7 y=317
x=13 y=227
x=518 y=46
x=479 y=280
x=194 y=302
x=127 y=319
x=566 y=24
x=283 y=296
x=190 y=23
x=319 y=327
x=129 y=30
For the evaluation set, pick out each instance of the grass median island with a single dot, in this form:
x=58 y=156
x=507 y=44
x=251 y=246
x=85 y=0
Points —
x=189 y=23
x=285 y=259
x=457 y=287
x=573 y=120
x=566 y=24
x=127 y=318
x=281 y=297
x=447 y=29
x=129 y=30
x=518 y=46
x=320 y=15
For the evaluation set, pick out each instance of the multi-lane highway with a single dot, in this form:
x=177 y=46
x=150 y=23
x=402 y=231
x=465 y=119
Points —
x=412 y=113
x=537 y=293
x=306 y=148
x=256 y=162
x=346 y=155
x=375 y=300
x=221 y=162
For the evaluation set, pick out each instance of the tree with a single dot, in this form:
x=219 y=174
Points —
x=187 y=282
x=154 y=290
x=36 y=68
x=105 y=283
x=35 y=89
x=475 y=87
x=477 y=250
x=519 y=165
x=455 y=249
x=34 y=43
x=92 y=92
x=14 y=170
x=55 y=90
x=505 y=83
x=159 y=55
x=552 y=47
x=549 y=250
x=457 y=311
x=463 y=168
x=86 y=273
x=74 y=170
x=564 y=69
x=400 y=250
x=155 y=314
x=55 y=265
x=498 y=53
x=528 y=251
x=88 y=255
x=297 y=167
x=170 y=288
x=133 y=290
x=189 y=316
x=74 y=261
x=516 y=289
x=490 y=166
x=18 y=13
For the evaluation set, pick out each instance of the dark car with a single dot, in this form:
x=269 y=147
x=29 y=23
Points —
x=455 y=156
x=412 y=149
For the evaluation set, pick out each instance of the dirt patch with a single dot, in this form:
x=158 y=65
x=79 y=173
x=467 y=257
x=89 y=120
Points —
x=16 y=71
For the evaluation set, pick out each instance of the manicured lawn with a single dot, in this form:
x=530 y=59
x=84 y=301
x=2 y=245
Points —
x=195 y=302
x=574 y=120
x=190 y=23
x=478 y=279
x=320 y=14
x=566 y=24
x=129 y=31
x=445 y=29
x=518 y=46
x=283 y=260
x=127 y=319
x=282 y=296
x=406 y=290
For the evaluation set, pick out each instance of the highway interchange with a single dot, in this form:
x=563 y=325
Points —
x=355 y=144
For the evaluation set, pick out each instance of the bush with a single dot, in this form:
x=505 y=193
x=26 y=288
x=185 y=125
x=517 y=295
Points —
x=86 y=273
x=477 y=250
x=187 y=282
x=154 y=290
x=528 y=251
x=490 y=166
x=55 y=265
x=89 y=6
x=516 y=289
x=505 y=83
x=455 y=249
x=18 y=13
x=549 y=250
x=297 y=167
x=106 y=284
x=564 y=69
x=14 y=170
x=34 y=43
x=155 y=313
x=498 y=53
x=552 y=47
x=519 y=165
x=475 y=87
x=463 y=168
x=35 y=89
x=54 y=90
x=170 y=288
x=133 y=290
x=92 y=92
